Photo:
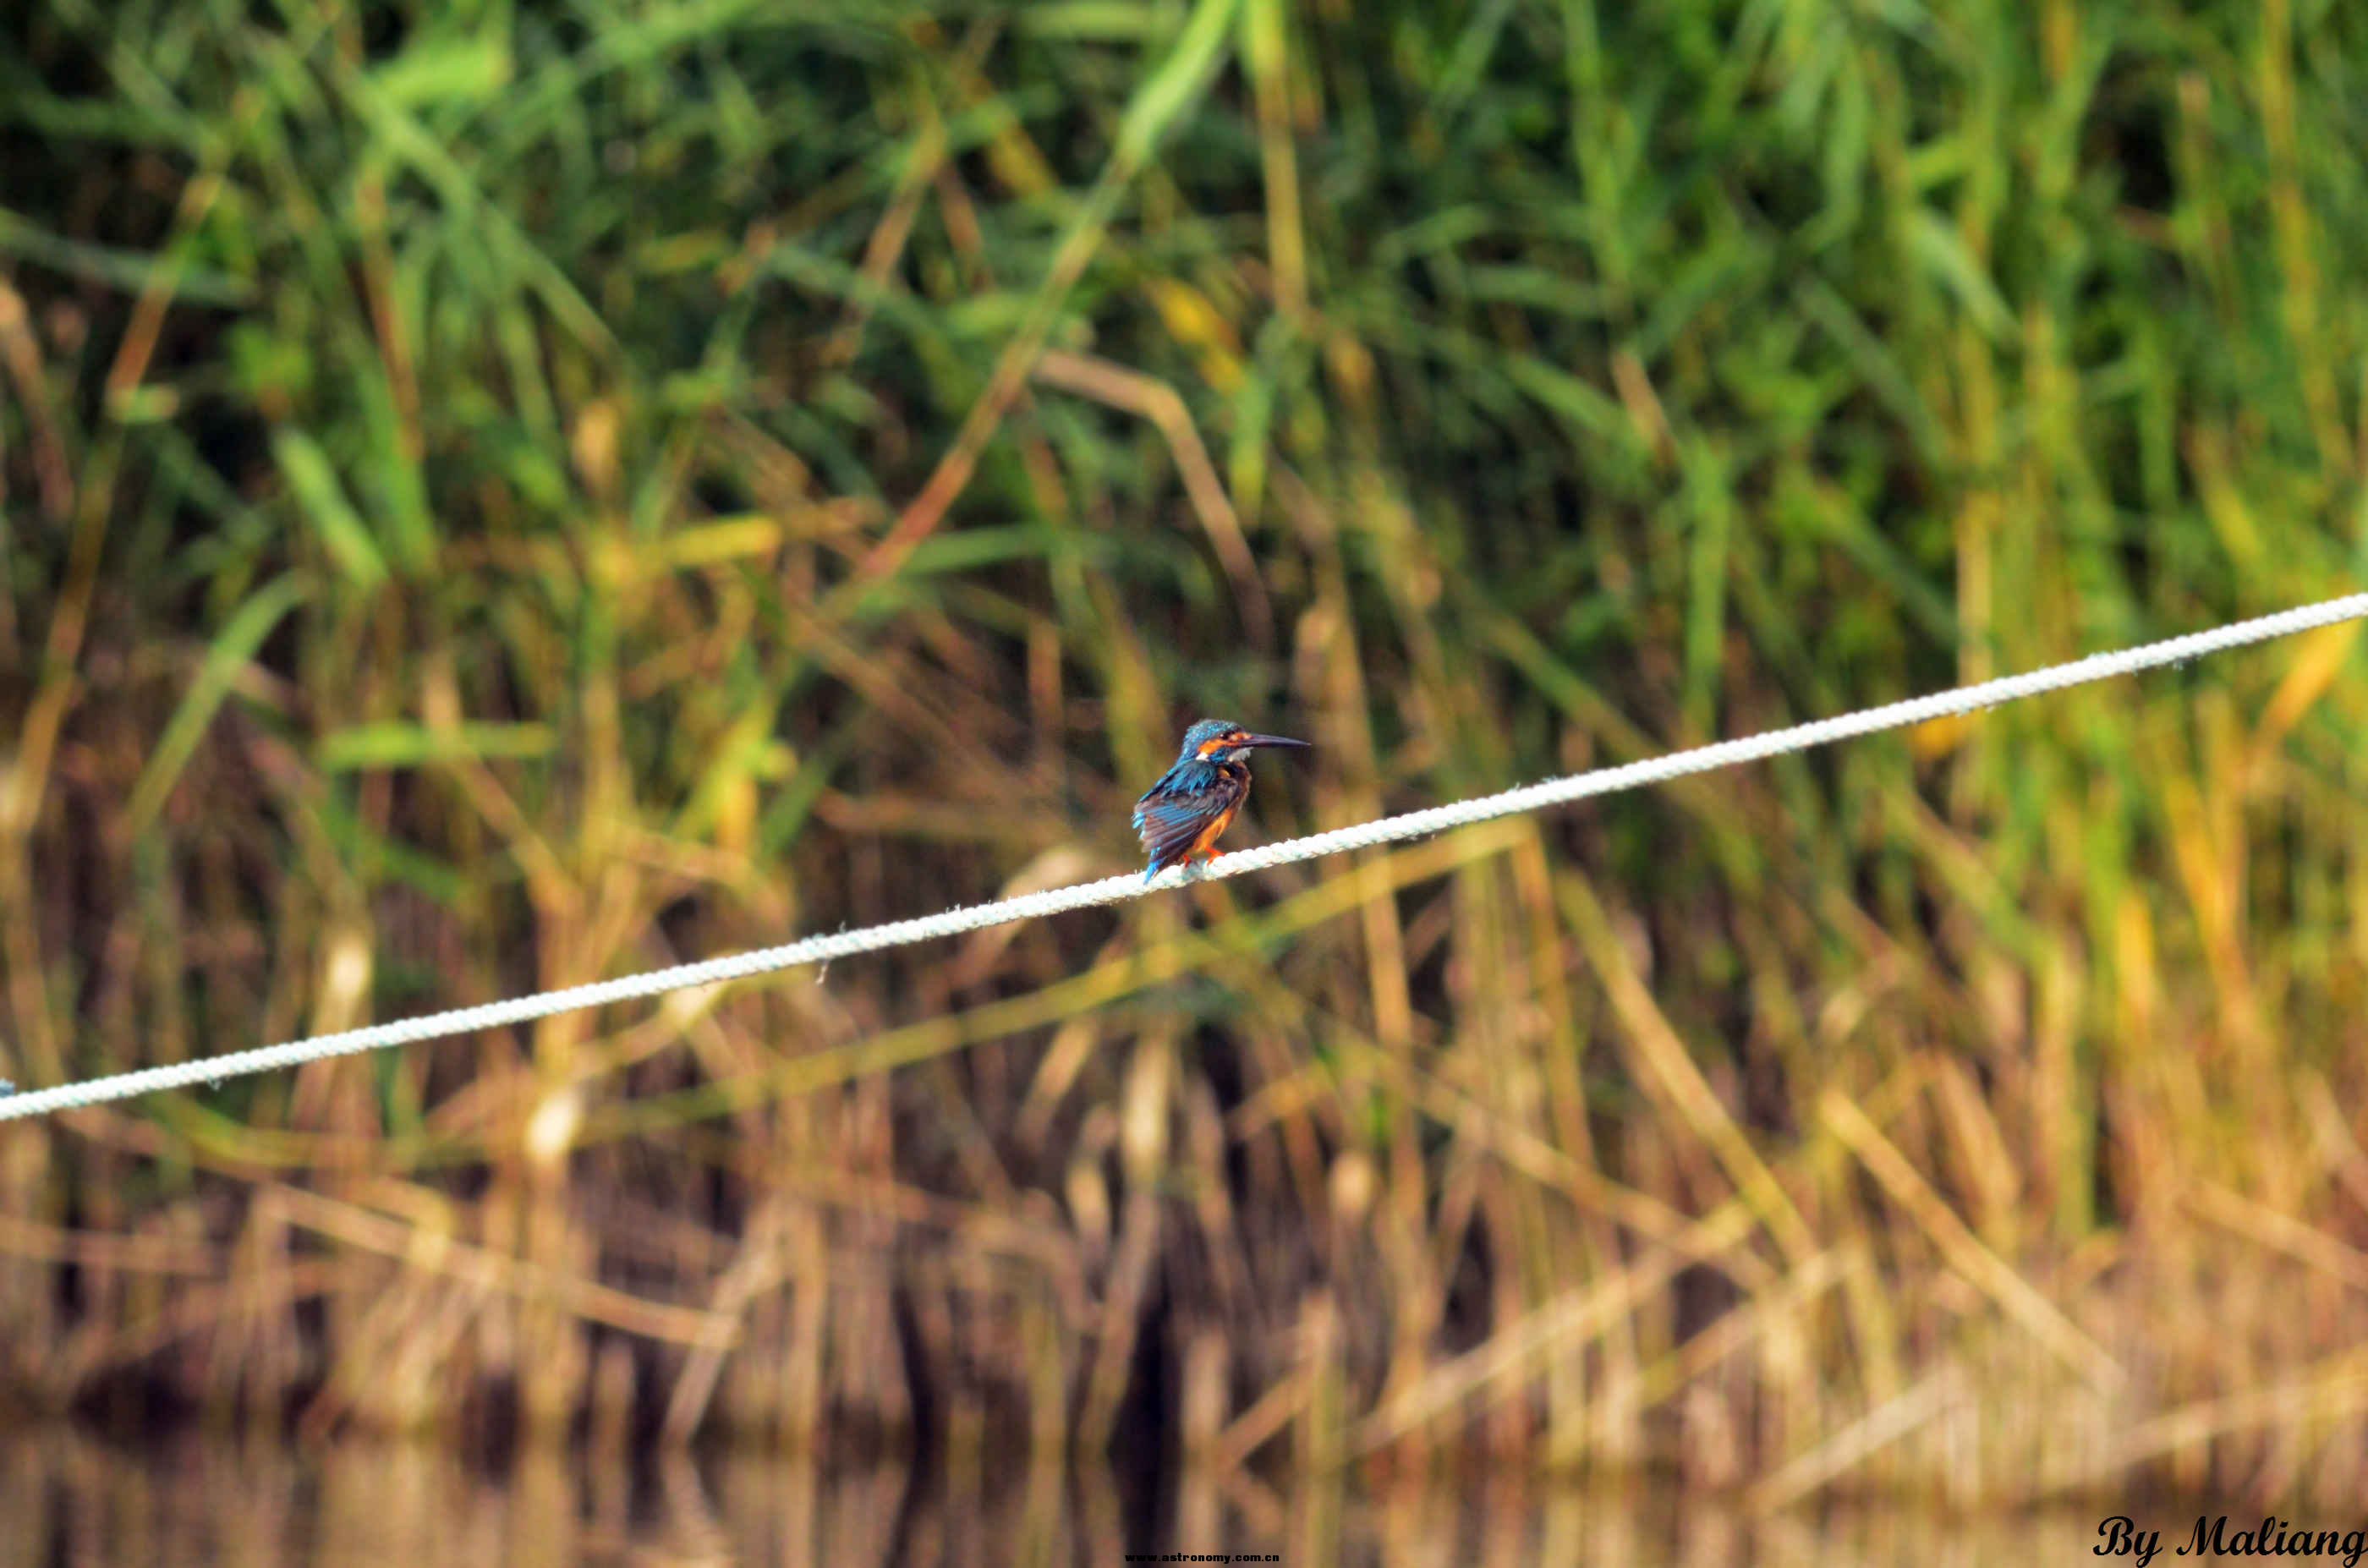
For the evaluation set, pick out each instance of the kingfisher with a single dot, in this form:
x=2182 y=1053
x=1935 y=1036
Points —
x=1181 y=816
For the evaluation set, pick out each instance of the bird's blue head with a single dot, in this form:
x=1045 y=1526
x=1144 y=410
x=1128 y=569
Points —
x=1222 y=740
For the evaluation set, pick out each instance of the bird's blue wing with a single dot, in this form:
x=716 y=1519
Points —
x=1168 y=826
x=1171 y=814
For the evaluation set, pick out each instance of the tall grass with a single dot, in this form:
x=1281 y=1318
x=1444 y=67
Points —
x=501 y=494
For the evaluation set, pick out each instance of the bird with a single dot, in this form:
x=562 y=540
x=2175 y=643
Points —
x=1180 y=817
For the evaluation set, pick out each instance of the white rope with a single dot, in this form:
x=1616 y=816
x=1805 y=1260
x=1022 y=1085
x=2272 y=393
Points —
x=1117 y=890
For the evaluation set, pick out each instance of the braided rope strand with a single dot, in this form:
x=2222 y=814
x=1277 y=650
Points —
x=1120 y=889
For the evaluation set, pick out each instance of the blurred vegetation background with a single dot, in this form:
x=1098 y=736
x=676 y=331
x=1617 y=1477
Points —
x=502 y=493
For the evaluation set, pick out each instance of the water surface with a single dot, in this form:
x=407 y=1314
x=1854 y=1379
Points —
x=68 y=1498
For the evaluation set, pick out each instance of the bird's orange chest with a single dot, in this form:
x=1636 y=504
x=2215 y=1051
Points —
x=1232 y=788
x=1204 y=842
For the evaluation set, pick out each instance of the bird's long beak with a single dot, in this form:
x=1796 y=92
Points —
x=1271 y=741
